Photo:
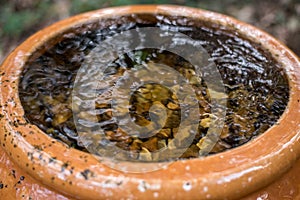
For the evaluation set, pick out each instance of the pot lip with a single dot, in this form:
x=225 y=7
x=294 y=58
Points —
x=233 y=169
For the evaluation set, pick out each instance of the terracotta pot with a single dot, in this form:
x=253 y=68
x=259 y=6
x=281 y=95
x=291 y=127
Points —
x=35 y=166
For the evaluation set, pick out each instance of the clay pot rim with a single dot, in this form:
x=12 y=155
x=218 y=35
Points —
x=228 y=170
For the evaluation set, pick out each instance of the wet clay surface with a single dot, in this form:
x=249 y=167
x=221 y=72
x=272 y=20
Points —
x=15 y=183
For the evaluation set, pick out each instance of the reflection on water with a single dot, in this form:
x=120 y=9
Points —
x=255 y=85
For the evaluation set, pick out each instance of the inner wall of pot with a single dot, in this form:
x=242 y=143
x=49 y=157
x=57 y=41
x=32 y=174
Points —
x=255 y=90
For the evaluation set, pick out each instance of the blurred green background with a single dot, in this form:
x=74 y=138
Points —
x=21 y=18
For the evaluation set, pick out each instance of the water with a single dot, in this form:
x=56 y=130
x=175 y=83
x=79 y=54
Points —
x=255 y=84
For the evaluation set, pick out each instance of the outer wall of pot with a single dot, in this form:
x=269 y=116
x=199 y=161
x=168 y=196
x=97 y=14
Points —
x=52 y=170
